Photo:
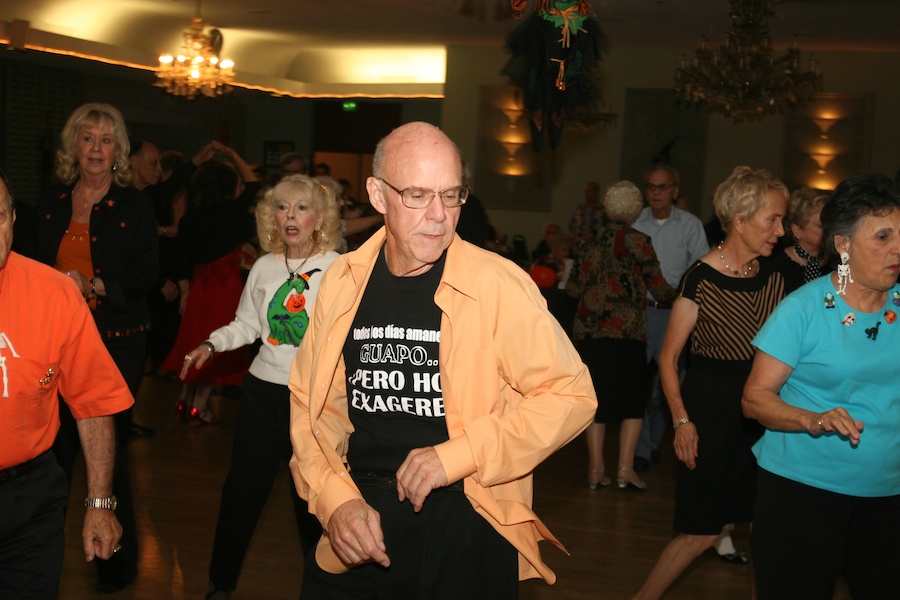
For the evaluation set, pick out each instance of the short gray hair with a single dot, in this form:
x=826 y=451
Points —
x=623 y=202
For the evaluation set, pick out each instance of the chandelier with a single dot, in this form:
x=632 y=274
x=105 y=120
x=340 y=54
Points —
x=743 y=79
x=196 y=69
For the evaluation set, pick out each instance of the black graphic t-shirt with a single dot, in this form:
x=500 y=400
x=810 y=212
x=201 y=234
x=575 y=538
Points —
x=393 y=381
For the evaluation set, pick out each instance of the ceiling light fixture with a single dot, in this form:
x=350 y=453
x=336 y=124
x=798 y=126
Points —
x=743 y=79
x=196 y=69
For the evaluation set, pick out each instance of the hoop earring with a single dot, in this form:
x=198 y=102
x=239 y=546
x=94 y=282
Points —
x=269 y=234
x=843 y=271
x=316 y=237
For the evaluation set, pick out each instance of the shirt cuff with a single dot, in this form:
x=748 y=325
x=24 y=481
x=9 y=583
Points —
x=338 y=490
x=456 y=458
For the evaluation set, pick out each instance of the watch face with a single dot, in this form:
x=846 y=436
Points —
x=113 y=503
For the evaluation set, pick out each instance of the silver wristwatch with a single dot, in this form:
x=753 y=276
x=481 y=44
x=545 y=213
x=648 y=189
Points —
x=108 y=503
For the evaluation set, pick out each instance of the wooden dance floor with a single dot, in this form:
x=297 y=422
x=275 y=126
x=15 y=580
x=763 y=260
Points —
x=614 y=536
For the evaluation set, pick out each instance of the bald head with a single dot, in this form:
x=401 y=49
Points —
x=407 y=142
x=416 y=155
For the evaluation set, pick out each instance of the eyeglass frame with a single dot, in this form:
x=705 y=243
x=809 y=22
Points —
x=660 y=187
x=440 y=194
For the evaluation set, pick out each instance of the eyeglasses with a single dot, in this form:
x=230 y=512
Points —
x=661 y=187
x=414 y=197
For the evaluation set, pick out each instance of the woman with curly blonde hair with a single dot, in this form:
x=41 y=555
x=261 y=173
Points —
x=299 y=228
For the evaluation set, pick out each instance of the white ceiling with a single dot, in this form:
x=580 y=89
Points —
x=274 y=41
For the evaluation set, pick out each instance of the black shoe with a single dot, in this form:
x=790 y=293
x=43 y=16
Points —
x=641 y=464
x=735 y=558
x=141 y=432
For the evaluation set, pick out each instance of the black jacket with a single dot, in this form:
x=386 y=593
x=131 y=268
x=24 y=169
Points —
x=123 y=252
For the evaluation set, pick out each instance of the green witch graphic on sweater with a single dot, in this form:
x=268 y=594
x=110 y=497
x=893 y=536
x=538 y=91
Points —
x=287 y=316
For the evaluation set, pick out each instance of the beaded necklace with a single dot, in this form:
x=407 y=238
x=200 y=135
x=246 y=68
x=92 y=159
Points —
x=748 y=268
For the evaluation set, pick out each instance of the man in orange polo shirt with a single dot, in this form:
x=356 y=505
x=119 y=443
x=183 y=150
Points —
x=49 y=346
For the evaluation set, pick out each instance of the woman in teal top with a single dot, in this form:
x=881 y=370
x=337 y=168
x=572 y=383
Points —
x=826 y=385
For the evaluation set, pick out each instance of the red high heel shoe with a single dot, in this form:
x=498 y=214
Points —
x=202 y=417
x=183 y=410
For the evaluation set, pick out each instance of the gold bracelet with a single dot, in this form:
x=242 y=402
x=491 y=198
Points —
x=679 y=422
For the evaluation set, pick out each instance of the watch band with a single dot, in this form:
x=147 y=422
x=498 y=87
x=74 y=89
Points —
x=108 y=503
x=679 y=422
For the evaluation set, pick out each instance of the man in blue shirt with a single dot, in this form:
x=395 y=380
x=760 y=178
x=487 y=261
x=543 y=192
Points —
x=678 y=240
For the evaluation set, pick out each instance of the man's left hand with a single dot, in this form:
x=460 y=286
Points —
x=101 y=533
x=420 y=473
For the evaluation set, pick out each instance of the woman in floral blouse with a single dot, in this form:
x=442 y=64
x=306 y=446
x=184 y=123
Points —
x=612 y=275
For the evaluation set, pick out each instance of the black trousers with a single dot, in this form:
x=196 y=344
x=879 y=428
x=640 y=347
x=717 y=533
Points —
x=32 y=528
x=261 y=442
x=165 y=319
x=446 y=551
x=129 y=354
x=804 y=536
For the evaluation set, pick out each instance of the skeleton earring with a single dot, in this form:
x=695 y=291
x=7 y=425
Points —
x=844 y=276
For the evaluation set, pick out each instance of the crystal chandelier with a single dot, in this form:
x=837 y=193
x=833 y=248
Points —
x=743 y=79
x=196 y=69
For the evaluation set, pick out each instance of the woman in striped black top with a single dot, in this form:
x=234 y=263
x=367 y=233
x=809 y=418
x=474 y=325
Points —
x=722 y=302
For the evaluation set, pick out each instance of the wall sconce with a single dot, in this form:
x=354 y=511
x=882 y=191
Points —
x=511 y=149
x=822 y=160
x=825 y=124
x=513 y=114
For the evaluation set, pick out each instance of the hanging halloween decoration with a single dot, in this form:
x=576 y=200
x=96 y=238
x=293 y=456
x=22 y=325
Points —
x=553 y=53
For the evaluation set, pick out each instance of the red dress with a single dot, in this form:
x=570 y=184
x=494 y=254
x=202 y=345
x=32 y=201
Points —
x=213 y=299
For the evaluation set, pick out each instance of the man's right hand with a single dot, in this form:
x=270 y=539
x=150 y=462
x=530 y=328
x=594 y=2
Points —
x=355 y=533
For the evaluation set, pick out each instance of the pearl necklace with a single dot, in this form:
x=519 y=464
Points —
x=748 y=268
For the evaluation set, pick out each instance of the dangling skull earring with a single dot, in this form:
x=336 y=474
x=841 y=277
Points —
x=843 y=271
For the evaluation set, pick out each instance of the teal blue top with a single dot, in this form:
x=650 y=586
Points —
x=840 y=357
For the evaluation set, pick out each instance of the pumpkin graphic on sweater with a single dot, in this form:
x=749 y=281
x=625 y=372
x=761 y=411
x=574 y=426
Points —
x=287 y=316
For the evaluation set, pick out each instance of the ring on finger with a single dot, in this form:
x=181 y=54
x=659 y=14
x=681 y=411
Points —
x=187 y=358
x=117 y=548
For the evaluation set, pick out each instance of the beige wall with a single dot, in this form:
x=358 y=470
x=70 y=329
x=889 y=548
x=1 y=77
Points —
x=581 y=158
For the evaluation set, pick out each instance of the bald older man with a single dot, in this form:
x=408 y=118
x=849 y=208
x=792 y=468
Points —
x=431 y=383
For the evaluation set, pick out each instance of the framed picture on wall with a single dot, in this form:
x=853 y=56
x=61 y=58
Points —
x=273 y=151
x=827 y=140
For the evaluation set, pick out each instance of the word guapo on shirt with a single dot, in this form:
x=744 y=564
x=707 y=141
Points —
x=365 y=383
